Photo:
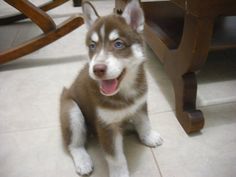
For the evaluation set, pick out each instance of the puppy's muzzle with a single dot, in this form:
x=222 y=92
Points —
x=100 y=70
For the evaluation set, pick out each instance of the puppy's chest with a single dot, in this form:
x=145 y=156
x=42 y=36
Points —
x=110 y=115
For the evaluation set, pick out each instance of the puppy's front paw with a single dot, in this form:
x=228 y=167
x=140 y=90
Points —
x=83 y=162
x=152 y=139
x=84 y=168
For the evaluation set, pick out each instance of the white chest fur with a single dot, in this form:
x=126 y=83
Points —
x=110 y=116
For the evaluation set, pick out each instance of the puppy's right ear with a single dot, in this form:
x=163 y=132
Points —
x=90 y=14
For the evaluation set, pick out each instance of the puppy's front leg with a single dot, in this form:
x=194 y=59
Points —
x=111 y=140
x=143 y=127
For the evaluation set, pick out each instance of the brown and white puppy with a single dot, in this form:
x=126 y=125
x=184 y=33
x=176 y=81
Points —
x=110 y=90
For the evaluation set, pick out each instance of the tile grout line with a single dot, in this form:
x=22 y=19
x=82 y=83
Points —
x=30 y=129
x=217 y=104
x=206 y=106
x=157 y=165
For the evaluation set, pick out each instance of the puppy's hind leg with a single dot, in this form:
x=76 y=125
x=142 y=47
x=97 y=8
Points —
x=73 y=117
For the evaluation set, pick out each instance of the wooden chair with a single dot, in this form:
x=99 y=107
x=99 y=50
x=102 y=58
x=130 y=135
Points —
x=77 y=3
x=51 y=32
x=182 y=33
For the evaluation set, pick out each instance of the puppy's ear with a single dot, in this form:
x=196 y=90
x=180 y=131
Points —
x=133 y=15
x=90 y=14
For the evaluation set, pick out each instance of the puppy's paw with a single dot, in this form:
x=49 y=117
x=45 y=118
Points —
x=82 y=160
x=84 y=168
x=152 y=139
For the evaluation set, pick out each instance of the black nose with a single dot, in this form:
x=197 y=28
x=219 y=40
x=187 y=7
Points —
x=99 y=70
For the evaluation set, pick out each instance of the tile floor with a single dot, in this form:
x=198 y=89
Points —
x=31 y=143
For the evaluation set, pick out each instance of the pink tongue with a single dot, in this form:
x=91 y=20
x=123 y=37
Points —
x=109 y=86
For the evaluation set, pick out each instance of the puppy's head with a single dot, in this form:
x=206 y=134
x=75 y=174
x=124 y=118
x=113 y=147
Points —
x=115 y=45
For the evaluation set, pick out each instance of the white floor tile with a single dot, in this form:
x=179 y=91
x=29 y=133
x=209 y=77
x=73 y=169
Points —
x=217 y=79
x=160 y=93
x=140 y=158
x=7 y=37
x=40 y=152
x=34 y=153
x=208 y=154
x=31 y=95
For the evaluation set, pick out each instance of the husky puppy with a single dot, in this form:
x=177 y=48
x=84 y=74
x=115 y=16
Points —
x=110 y=90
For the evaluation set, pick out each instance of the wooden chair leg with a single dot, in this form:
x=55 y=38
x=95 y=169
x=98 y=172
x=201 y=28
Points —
x=41 y=40
x=38 y=16
x=77 y=3
x=185 y=89
x=45 y=7
x=181 y=65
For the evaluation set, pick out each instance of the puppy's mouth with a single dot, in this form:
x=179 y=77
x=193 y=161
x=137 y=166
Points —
x=110 y=87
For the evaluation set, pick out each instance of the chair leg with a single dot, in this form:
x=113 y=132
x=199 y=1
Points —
x=77 y=3
x=185 y=88
x=45 y=7
x=38 y=16
x=181 y=65
x=41 y=40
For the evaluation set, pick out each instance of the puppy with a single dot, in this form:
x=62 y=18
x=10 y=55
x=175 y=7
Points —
x=109 y=91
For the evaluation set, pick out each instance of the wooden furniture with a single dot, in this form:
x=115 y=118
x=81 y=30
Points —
x=77 y=3
x=51 y=32
x=182 y=33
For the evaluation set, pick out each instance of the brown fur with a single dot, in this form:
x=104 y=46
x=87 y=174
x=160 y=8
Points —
x=126 y=34
x=85 y=92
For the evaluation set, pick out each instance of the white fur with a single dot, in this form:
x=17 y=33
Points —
x=152 y=139
x=127 y=85
x=134 y=16
x=95 y=37
x=140 y=29
x=113 y=35
x=97 y=59
x=77 y=125
x=117 y=164
x=113 y=116
x=148 y=136
x=102 y=32
x=114 y=65
x=82 y=160
x=138 y=52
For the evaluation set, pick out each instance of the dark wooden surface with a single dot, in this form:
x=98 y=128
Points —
x=77 y=3
x=51 y=32
x=181 y=33
x=207 y=8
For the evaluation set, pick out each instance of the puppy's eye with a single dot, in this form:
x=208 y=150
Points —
x=92 y=46
x=119 y=44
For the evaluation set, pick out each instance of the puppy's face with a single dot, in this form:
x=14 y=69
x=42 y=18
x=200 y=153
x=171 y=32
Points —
x=115 y=45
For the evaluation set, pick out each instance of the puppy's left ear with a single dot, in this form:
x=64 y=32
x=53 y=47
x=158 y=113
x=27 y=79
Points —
x=90 y=14
x=134 y=16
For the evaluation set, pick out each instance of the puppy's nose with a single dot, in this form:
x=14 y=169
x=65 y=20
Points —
x=99 y=70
